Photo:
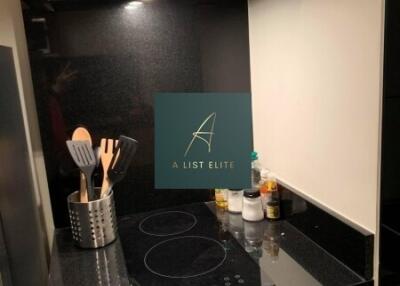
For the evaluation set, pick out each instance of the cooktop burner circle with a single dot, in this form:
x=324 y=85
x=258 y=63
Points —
x=167 y=223
x=185 y=257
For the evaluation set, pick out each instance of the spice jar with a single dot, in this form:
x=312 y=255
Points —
x=273 y=210
x=235 y=201
x=252 y=207
x=221 y=198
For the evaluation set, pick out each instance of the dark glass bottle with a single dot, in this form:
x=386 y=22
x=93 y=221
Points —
x=273 y=209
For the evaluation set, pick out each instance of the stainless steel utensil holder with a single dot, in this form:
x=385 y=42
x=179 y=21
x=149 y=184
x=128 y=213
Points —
x=93 y=224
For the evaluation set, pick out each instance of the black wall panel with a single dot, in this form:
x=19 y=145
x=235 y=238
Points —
x=98 y=63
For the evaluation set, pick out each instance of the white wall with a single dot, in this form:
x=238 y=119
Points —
x=316 y=72
x=12 y=34
x=316 y=76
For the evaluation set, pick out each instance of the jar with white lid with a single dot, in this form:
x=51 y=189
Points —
x=235 y=201
x=252 y=206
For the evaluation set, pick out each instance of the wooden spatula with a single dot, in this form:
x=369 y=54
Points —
x=107 y=147
x=82 y=134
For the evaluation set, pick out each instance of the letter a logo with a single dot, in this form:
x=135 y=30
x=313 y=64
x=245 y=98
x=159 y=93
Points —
x=205 y=136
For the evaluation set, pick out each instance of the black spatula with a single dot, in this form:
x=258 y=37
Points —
x=123 y=155
x=83 y=156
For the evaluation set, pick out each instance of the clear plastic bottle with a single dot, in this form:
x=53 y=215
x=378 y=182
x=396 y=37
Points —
x=255 y=170
x=264 y=193
x=268 y=182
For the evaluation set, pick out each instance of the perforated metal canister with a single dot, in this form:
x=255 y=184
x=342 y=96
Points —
x=93 y=224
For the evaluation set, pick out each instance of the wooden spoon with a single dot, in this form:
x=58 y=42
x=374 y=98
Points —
x=82 y=134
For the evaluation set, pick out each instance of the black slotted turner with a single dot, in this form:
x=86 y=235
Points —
x=83 y=156
x=123 y=155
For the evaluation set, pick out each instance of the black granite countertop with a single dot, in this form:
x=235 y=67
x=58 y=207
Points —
x=283 y=254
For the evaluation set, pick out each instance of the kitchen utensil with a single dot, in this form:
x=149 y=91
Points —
x=96 y=151
x=93 y=224
x=107 y=147
x=123 y=155
x=83 y=156
x=82 y=134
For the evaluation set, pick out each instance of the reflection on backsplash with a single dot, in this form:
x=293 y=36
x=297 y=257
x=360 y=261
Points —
x=99 y=64
x=313 y=220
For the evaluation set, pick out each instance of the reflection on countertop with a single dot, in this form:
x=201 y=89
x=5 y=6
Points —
x=71 y=265
x=284 y=254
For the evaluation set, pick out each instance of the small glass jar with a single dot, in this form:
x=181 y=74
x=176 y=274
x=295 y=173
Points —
x=252 y=207
x=235 y=201
x=272 y=211
x=221 y=198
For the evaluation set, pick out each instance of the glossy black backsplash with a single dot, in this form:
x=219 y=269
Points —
x=347 y=242
x=98 y=63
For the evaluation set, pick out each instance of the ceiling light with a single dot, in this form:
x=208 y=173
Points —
x=133 y=5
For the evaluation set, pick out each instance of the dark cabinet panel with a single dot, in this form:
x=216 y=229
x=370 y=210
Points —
x=390 y=191
x=391 y=49
x=390 y=168
x=391 y=150
x=22 y=247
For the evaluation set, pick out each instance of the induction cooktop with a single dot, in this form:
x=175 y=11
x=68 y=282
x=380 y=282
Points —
x=189 y=246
